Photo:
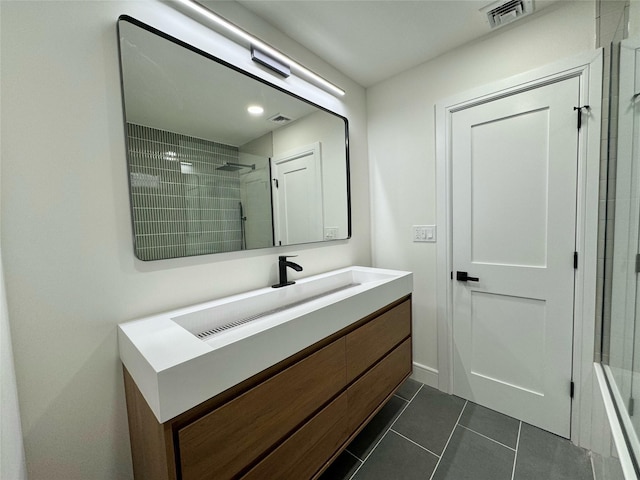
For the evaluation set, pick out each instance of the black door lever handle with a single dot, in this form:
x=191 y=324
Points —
x=464 y=277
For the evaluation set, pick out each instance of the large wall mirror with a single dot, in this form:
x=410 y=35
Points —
x=207 y=175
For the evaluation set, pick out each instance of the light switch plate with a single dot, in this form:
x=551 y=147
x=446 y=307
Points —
x=424 y=233
x=330 y=233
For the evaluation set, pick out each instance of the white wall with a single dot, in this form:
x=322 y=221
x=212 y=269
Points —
x=400 y=113
x=634 y=18
x=70 y=270
x=329 y=131
x=12 y=461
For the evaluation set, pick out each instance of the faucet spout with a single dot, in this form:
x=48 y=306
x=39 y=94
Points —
x=283 y=264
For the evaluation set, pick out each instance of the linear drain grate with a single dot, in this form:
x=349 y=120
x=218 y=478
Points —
x=213 y=331
x=227 y=326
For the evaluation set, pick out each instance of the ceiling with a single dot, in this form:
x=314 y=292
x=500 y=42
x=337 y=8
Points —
x=169 y=87
x=372 y=40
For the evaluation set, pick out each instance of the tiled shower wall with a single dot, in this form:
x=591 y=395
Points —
x=182 y=205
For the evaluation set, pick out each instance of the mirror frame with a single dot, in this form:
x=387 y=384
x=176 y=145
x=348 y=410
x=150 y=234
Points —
x=252 y=76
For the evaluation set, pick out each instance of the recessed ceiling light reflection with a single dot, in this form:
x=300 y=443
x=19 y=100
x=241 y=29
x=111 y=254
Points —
x=170 y=156
x=255 y=110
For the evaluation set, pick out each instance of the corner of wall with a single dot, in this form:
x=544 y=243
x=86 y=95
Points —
x=12 y=458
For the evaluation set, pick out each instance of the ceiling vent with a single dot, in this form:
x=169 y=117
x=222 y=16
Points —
x=501 y=13
x=280 y=119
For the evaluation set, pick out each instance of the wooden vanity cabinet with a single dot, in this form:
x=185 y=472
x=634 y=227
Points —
x=222 y=443
x=289 y=421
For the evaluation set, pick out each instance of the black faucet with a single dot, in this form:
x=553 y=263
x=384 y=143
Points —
x=283 y=263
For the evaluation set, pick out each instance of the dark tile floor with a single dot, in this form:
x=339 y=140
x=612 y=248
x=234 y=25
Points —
x=422 y=433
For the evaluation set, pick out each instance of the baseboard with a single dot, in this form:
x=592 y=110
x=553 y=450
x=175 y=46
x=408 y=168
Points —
x=424 y=374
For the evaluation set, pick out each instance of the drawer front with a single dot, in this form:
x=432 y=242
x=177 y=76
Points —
x=306 y=451
x=369 y=343
x=227 y=440
x=371 y=389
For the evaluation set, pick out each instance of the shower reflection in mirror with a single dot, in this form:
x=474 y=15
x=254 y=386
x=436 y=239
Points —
x=209 y=171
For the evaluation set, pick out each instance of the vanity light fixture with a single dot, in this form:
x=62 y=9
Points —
x=271 y=63
x=255 y=110
x=259 y=44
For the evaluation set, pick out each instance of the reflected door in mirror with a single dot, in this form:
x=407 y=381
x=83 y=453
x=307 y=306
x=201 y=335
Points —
x=199 y=162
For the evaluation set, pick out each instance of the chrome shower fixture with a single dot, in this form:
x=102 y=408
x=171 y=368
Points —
x=234 y=167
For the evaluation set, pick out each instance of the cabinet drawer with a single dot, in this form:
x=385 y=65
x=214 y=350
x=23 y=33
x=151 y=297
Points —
x=371 y=389
x=302 y=455
x=369 y=343
x=227 y=440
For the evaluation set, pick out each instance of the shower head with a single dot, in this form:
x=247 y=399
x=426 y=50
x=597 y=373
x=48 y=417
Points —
x=228 y=168
x=234 y=167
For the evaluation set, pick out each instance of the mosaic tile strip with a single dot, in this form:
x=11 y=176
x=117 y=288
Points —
x=181 y=204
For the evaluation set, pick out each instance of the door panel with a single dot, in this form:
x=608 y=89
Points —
x=513 y=211
x=514 y=214
x=297 y=196
x=502 y=327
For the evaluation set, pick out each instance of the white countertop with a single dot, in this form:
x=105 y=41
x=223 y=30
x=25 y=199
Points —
x=175 y=370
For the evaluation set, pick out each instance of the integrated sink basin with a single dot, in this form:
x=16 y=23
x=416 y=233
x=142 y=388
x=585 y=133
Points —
x=183 y=357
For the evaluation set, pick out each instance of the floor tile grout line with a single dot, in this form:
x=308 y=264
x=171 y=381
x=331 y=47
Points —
x=448 y=440
x=372 y=450
x=515 y=457
x=353 y=455
x=415 y=443
x=488 y=438
x=385 y=433
x=405 y=407
x=414 y=395
x=401 y=398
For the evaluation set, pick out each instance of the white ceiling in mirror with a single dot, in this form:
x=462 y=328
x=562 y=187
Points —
x=159 y=71
x=209 y=176
x=372 y=40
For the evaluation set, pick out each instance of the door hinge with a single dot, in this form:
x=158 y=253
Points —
x=451 y=275
x=579 y=110
x=572 y=389
x=632 y=403
x=575 y=260
x=637 y=262
x=275 y=181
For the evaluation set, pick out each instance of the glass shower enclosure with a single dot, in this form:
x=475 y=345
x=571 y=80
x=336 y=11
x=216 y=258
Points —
x=621 y=305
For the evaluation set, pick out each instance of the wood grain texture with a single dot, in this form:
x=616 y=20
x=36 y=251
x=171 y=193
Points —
x=307 y=450
x=224 y=442
x=211 y=404
x=370 y=390
x=152 y=449
x=372 y=341
x=278 y=424
x=353 y=434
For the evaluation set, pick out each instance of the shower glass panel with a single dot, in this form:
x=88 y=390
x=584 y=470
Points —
x=255 y=197
x=621 y=305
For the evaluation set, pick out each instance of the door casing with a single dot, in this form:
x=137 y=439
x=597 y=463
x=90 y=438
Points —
x=316 y=215
x=588 y=68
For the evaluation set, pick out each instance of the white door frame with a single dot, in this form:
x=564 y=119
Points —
x=315 y=150
x=588 y=67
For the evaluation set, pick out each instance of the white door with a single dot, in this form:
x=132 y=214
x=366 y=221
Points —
x=514 y=167
x=297 y=195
